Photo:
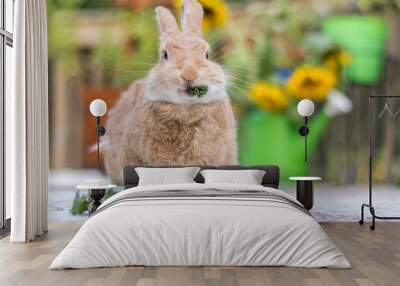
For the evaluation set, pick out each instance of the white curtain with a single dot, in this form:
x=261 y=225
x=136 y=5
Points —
x=27 y=123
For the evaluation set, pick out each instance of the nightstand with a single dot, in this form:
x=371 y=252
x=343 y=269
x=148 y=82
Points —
x=96 y=193
x=304 y=190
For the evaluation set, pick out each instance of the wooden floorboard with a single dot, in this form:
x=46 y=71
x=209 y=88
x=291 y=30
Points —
x=375 y=257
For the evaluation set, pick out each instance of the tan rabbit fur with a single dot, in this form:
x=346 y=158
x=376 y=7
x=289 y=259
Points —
x=156 y=122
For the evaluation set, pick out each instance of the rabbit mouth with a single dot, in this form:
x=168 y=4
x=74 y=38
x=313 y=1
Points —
x=195 y=91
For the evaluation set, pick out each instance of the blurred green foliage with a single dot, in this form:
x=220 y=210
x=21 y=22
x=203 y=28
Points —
x=378 y=5
x=80 y=204
x=260 y=38
x=274 y=36
x=61 y=41
x=142 y=31
x=117 y=63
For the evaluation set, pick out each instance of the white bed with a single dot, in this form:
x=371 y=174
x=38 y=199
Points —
x=265 y=229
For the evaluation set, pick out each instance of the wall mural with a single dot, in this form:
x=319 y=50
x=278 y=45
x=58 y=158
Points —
x=223 y=89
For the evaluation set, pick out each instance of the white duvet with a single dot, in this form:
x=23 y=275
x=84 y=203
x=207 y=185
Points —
x=200 y=231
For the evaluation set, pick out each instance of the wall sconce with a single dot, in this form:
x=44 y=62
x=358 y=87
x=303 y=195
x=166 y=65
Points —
x=305 y=108
x=98 y=108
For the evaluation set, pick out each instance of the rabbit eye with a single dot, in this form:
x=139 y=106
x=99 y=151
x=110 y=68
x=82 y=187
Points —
x=165 y=55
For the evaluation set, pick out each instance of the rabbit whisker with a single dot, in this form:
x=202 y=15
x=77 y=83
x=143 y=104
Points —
x=236 y=88
x=236 y=79
x=247 y=77
x=234 y=68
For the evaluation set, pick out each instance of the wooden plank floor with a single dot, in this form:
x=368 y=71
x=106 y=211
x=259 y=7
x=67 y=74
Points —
x=375 y=257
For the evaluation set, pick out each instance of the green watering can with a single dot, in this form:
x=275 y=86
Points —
x=272 y=138
x=364 y=38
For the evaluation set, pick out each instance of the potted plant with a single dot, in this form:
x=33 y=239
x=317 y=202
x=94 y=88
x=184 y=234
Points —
x=272 y=68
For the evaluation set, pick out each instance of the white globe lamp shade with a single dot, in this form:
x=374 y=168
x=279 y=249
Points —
x=98 y=107
x=305 y=108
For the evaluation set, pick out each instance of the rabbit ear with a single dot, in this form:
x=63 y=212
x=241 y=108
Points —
x=166 y=22
x=192 y=16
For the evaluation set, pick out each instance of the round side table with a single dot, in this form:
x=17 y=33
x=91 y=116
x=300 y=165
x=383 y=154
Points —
x=96 y=193
x=304 y=190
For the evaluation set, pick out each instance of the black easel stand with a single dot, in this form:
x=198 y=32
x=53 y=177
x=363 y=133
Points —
x=370 y=205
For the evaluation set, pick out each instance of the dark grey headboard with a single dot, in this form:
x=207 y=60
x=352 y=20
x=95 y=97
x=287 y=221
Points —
x=271 y=177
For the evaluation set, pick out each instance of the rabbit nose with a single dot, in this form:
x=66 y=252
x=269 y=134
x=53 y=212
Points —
x=189 y=75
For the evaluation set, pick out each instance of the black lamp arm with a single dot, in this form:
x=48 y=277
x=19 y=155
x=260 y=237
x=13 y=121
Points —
x=100 y=131
x=304 y=131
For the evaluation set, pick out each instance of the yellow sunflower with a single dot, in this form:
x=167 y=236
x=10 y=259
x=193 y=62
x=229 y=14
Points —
x=311 y=82
x=215 y=12
x=335 y=59
x=268 y=96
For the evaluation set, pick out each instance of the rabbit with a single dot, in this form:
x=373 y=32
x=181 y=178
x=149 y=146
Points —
x=157 y=122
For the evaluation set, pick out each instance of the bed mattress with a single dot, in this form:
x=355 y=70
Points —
x=201 y=225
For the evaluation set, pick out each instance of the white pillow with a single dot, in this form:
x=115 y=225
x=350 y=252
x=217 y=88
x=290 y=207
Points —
x=164 y=176
x=248 y=177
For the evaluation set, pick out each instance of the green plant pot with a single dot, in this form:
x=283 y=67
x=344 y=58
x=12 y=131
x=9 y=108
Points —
x=364 y=38
x=266 y=139
x=269 y=138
